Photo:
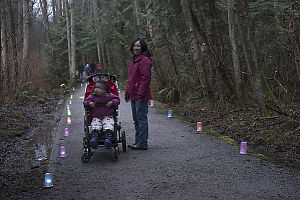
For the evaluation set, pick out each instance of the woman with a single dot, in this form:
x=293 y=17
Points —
x=138 y=91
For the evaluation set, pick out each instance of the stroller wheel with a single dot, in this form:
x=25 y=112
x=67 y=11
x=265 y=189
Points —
x=115 y=156
x=123 y=139
x=85 y=158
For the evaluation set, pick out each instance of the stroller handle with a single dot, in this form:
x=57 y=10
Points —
x=110 y=77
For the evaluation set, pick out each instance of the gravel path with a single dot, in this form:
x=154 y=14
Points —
x=179 y=164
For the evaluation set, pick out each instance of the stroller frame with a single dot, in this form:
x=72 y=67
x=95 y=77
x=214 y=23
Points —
x=118 y=135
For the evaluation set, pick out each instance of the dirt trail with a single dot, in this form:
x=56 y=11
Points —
x=179 y=164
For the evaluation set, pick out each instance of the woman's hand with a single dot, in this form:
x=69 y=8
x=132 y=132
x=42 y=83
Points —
x=109 y=104
x=92 y=104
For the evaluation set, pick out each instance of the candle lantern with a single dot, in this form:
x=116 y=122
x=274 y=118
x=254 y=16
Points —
x=62 y=152
x=71 y=96
x=199 y=127
x=243 y=149
x=48 y=180
x=66 y=132
x=69 y=120
x=152 y=103
x=70 y=102
x=170 y=113
x=68 y=107
x=69 y=112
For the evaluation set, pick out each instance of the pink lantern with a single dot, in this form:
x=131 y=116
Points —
x=243 y=149
x=63 y=152
x=66 y=132
x=69 y=120
x=68 y=107
x=199 y=127
x=70 y=101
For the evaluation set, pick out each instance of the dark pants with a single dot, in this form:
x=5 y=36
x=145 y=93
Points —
x=139 y=114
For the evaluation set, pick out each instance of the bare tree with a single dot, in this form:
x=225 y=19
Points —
x=247 y=39
x=44 y=7
x=13 y=47
x=26 y=16
x=137 y=16
x=232 y=36
x=194 y=44
x=96 y=19
x=66 y=8
x=73 y=45
x=4 y=68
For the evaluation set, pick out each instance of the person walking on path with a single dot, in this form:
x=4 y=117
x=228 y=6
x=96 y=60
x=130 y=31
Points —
x=98 y=69
x=138 y=91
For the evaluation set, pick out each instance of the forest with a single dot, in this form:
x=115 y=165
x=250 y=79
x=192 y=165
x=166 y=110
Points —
x=216 y=56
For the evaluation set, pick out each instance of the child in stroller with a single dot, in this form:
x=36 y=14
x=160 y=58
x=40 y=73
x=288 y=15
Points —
x=101 y=126
x=102 y=116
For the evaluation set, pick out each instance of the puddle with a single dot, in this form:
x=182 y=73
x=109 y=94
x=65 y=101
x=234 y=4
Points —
x=41 y=152
x=41 y=140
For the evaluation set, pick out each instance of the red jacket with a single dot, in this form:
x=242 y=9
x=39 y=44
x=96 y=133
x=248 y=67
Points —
x=139 y=78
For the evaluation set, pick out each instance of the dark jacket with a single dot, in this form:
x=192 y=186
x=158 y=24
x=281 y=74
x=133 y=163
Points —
x=139 y=78
x=100 y=112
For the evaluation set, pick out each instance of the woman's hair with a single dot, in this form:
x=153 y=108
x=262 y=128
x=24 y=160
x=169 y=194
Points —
x=104 y=83
x=144 y=46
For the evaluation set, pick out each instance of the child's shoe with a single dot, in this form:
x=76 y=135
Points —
x=94 y=140
x=93 y=143
x=108 y=143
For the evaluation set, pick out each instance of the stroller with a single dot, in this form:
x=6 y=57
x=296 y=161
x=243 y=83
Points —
x=118 y=135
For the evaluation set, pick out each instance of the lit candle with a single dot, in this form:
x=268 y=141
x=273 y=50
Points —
x=199 y=126
x=243 y=149
x=66 y=132
x=69 y=120
x=48 y=180
x=62 y=152
x=152 y=103
x=170 y=113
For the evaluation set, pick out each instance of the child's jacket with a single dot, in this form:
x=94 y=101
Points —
x=100 y=112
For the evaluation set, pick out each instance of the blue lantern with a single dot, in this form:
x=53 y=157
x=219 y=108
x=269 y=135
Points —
x=48 y=180
x=170 y=113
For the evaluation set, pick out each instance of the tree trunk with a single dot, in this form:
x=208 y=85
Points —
x=54 y=11
x=59 y=8
x=26 y=15
x=103 y=56
x=43 y=5
x=235 y=56
x=108 y=57
x=19 y=22
x=13 y=43
x=295 y=41
x=73 y=45
x=66 y=8
x=249 y=49
x=194 y=45
x=5 y=70
x=96 y=17
x=137 y=16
